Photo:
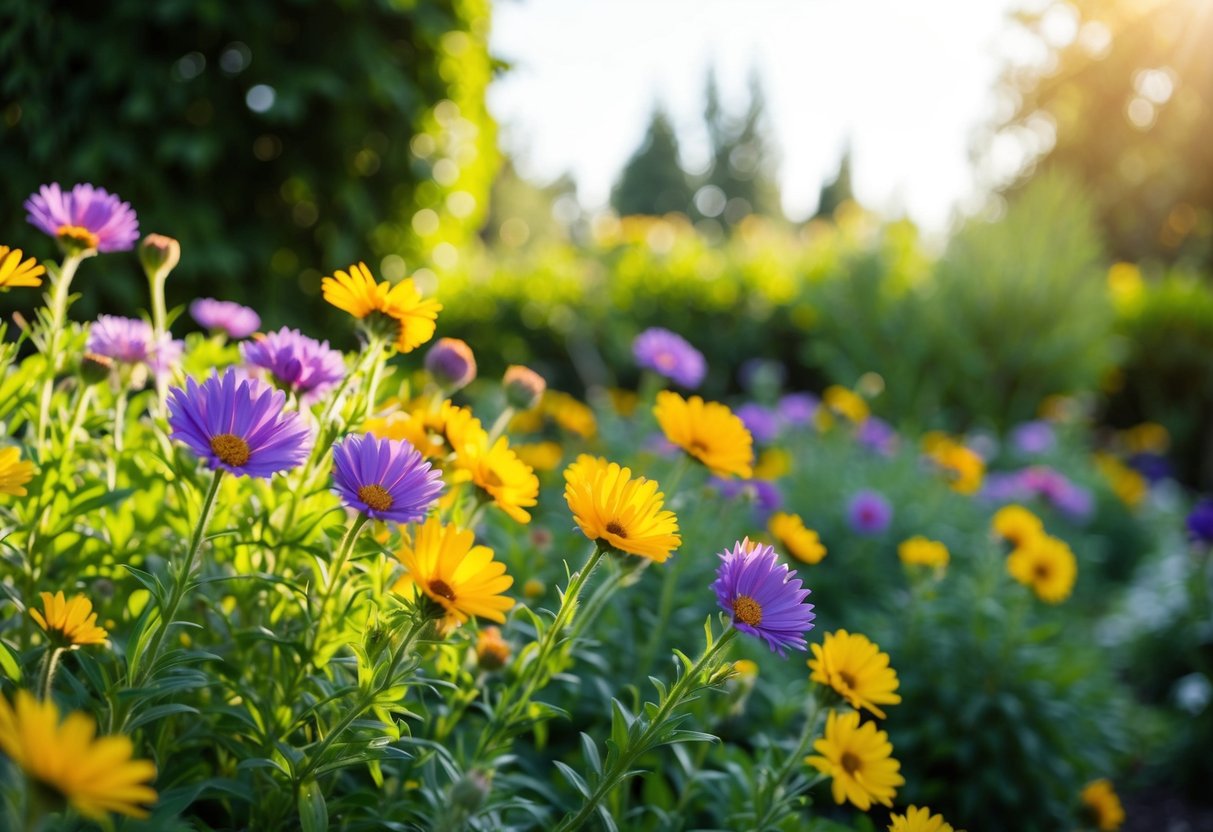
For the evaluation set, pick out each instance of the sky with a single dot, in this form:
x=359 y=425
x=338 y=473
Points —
x=905 y=83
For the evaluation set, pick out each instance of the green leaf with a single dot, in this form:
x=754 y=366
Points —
x=10 y=663
x=573 y=777
x=313 y=814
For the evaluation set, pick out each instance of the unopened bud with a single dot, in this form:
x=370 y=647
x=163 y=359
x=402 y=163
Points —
x=523 y=387
x=94 y=368
x=470 y=791
x=451 y=364
x=159 y=254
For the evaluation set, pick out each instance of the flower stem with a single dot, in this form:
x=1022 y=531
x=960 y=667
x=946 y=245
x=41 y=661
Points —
x=58 y=317
x=770 y=792
x=343 y=555
x=50 y=663
x=503 y=422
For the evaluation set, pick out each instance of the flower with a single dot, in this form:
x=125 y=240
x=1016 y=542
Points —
x=1034 y=438
x=451 y=364
x=918 y=820
x=224 y=316
x=1200 y=520
x=869 y=513
x=570 y=414
x=496 y=470
x=801 y=543
x=384 y=479
x=14 y=472
x=798 y=408
x=96 y=775
x=1103 y=805
x=764 y=598
x=846 y=403
x=877 y=434
x=761 y=422
x=492 y=651
x=669 y=355
x=707 y=431
x=238 y=425
x=159 y=255
x=626 y=514
x=859 y=759
x=1047 y=565
x=772 y=464
x=1128 y=485
x=523 y=387
x=85 y=219
x=444 y=564
x=918 y=551
x=541 y=456
x=132 y=341
x=433 y=431
x=1016 y=525
x=398 y=309
x=763 y=495
x=301 y=364
x=856 y=669
x=74 y=621
x=15 y=272
x=964 y=466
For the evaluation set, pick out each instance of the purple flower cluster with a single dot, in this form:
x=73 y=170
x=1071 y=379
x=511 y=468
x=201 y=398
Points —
x=764 y=598
x=764 y=494
x=131 y=341
x=762 y=422
x=225 y=316
x=1039 y=481
x=798 y=408
x=85 y=217
x=1034 y=438
x=869 y=512
x=302 y=364
x=670 y=355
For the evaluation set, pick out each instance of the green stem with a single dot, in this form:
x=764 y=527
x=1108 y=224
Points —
x=47 y=678
x=503 y=422
x=54 y=352
x=770 y=792
x=343 y=555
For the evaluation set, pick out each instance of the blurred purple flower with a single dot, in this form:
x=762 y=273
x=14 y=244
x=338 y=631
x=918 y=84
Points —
x=762 y=423
x=869 y=513
x=84 y=218
x=224 y=315
x=302 y=364
x=798 y=408
x=131 y=341
x=877 y=434
x=1034 y=438
x=1154 y=467
x=670 y=355
x=764 y=494
x=1200 y=521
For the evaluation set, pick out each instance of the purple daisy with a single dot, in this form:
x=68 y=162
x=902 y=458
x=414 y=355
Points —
x=762 y=423
x=764 y=494
x=763 y=596
x=878 y=435
x=132 y=341
x=1034 y=438
x=305 y=365
x=869 y=513
x=670 y=355
x=1200 y=521
x=238 y=425
x=385 y=479
x=225 y=316
x=798 y=408
x=84 y=218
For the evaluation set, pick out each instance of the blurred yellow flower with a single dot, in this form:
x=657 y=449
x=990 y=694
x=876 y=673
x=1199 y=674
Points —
x=919 y=551
x=356 y=292
x=74 y=621
x=859 y=759
x=801 y=543
x=623 y=401
x=708 y=431
x=570 y=414
x=1125 y=285
x=624 y=513
x=542 y=456
x=1146 y=438
x=1016 y=525
x=425 y=428
x=745 y=668
x=1128 y=485
x=964 y=466
x=14 y=272
x=772 y=464
x=1103 y=805
x=1047 y=565
x=14 y=473
x=856 y=669
x=443 y=562
x=918 y=820
x=492 y=651
x=846 y=403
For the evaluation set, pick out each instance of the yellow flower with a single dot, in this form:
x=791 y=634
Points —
x=772 y=464
x=624 y=402
x=964 y=466
x=1047 y=565
x=495 y=469
x=570 y=414
x=1128 y=485
x=859 y=759
x=492 y=651
x=1016 y=525
x=542 y=456
x=708 y=431
x=426 y=429
x=624 y=513
x=73 y=621
x=14 y=473
x=745 y=668
x=1103 y=805
x=443 y=563
x=14 y=272
x=846 y=403
x=357 y=293
x=96 y=775
x=1147 y=438
x=922 y=552
x=800 y=542
x=918 y=820
x=856 y=669
x=1125 y=285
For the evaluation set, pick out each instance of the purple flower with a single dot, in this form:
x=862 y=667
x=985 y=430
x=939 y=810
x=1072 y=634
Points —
x=764 y=494
x=1034 y=438
x=760 y=421
x=1200 y=521
x=869 y=513
x=385 y=479
x=305 y=365
x=670 y=355
x=1074 y=501
x=877 y=434
x=1154 y=467
x=223 y=315
x=764 y=598
x=131 y=341
x=85 y=218
x=238 y=425
x=798 y=408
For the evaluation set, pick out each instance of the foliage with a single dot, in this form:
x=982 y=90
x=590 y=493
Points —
x=653 y=181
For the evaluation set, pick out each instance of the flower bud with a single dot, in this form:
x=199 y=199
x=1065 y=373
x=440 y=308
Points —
x=523 y=387
x=159 y=254
x=451 y=364
x=470 y=791
x=492 y=651
x=95 y=368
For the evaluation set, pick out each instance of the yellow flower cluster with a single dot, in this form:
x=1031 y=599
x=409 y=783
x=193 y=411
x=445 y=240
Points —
x=1045 y=563
x=919 y=551
x=801 y=543
x=412 y=318
x=964 y=467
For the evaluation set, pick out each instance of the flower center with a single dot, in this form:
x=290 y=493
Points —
x=847 y=679
x=376 y=497
x=747 y=610
x=617 y=529
x=75 y=236
x=231 y=449
x=442 y=589
x=698 y=446
x=850 y=763
x=1041 y=571
x=665 y=361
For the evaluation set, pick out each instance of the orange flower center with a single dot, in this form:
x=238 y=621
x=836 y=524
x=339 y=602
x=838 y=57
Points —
x=847 y=679
x=747 y=610
x=231 y=449
x=442 y=589
x=850 y=763
x=615 y=528
x=75 y=236
x=376 y=497
x=1041 y=571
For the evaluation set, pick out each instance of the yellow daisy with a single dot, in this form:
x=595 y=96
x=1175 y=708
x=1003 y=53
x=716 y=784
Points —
x=495 y=469
x=918 y=820
x=96 y=775
x=14 y=272
x=800 y=542
x=1016 y=525
x=443 y=562
x=570 y=414
x=846 y=403
x=708 y=431
x=13 y=472
x=772 y=464
x=1127 y=484
x=859 y=759
x=964 y=467
x=356 y=292
x=72 y=621
x=1103 y=805
x=919 y=551
x=1047 y=565
x=425 y=428
x=624 y=513
x=856 y=669
x=542 y=456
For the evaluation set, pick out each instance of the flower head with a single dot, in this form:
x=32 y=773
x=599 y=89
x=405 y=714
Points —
x=1034 y=438
x=1200 y=520
x=801 y=543
x=859 y=759
x=96 y=775
x=238 y=425
x=1103 y=805
x=626 y=514
x=856 y=670
x=16 y=272
x=494 y=468
x=919 y=551
x=1016 y=525
x=1047 y=565
x=492 y=651
x=443 y=563
x=297 y=362
x=131 y=341
x=451 y=364
x=399 y=310
x=877 y=434
x=225 y=316
x=918 y=820
x=869 y=513
x=523 y=387
x=708 y=431
x=846 y=403
x=798 y=408
x=72 y=622
x=670 y=355
x=963 y=466
x=159 y=255
x=14 y=472
x=85 y=219
x=384 y=479
x=762 y=422
x=764 y=598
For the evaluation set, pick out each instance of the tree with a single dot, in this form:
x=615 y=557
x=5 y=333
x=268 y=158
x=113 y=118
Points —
x=653 y=181
x=837 y=190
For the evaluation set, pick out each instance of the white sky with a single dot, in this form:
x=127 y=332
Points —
x=905 y=82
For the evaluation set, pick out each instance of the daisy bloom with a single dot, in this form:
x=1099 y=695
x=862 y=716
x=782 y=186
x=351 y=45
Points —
x=443 y=563
x=16 y=272
x=846 y=403
x=132 y=341
x=72 y=622
x=225 y=316
x=238 y=425
x=1016 y=525
x=670 y=355
x=856 y=669
x=495 y=469
x=433 y=431
x=96 y=775
x=919 y=551
x=384 y=479
x=14 y=472
x=869 y=513
x=1103 y=805
x=1047 y=565
x=541 y=456
x=800 y=542
x=963 y=466
x=570 y=414
x=918 y=820
x=763 y=597
x=616 y=510
x=304 y=365
x=859 y=759
x=84 y=219
x=397 y=309
x=707 y=431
